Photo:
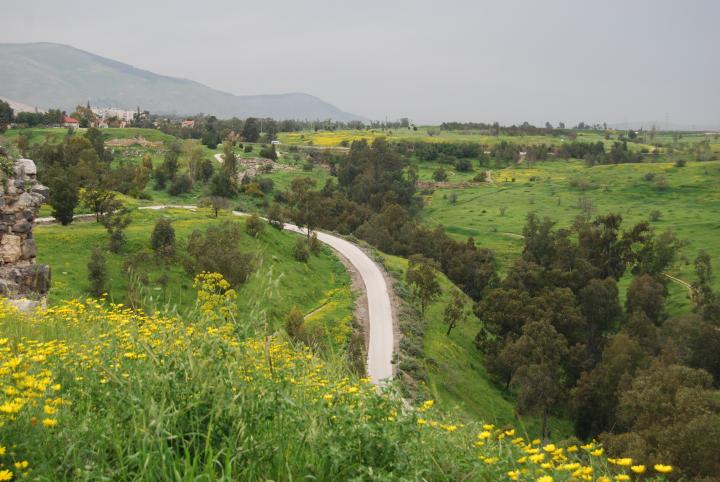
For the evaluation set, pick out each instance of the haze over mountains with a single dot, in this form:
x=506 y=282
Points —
x=46 y=75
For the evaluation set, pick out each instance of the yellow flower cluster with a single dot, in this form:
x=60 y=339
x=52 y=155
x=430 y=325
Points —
x=532 y=461
x=216 y=299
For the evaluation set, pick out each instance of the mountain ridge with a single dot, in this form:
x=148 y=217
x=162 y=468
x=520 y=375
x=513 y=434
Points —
x=46 y=74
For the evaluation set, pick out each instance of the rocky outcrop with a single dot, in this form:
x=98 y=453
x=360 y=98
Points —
x=21 y=280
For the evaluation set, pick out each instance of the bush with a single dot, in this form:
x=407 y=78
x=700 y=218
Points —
x=97 y=273
x=254 y=225
x=300 y=251
x=440 y=175
x=217 y=250
x=160 y=179
x=463 y=165
x=680 y=163
x=294 y=320
x=655 y=215
x=276 y=216
x=162 y=240
x=315 y=244
x=180 y=185
x=248 y=148
x=222 y=185
x=268 y=152
x=266 y=184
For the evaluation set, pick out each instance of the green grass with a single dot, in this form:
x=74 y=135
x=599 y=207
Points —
x=456 y=370
x=279 y=281
x=690 y=206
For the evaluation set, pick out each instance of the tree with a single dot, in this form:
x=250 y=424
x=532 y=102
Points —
x=170 y=162
x=216 y=203
x=97 y=200
x=254 y=225
x=162 y=239
x=421 y=277
x=6 y=115
x=455 y=311
x=251 y=130
x=671 y=413
x=217 y=250
x=63 y=197
x=538 y=377
x=600 y=305
x=276 y=216
x=229 y=164
x=306 y=204
x=647 y=294
x=97 y=273
x=115 y=221
x=222 y=185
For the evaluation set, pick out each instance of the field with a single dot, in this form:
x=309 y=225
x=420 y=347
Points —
x=322 y=286
x=433 y=134
x=494 y=213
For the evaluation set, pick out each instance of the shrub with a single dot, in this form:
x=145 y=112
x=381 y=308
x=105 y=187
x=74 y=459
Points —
x=97 y=273
x=162 y=240
x=276 y=216
x=294 y=320
x=248 y=148
x=180 y=185
x=463 y=165
x=655 y=215
x=254 y=225
x=300 y=251
x=268 y=152
x=680 y=163
x=314 y=244
x=440 y=175
x=217 y=250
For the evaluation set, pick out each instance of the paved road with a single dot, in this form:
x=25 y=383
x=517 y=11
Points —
x=379 y=307
x=381 y=341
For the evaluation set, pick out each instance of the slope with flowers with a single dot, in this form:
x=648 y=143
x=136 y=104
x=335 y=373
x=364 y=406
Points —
x=95 y=391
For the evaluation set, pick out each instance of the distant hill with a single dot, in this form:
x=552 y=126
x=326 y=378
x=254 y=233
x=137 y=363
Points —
x=45 y=75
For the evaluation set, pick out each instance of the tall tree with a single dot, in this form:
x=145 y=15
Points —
x=422 y=278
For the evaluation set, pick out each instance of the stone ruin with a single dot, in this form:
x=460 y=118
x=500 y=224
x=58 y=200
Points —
x=21 y=280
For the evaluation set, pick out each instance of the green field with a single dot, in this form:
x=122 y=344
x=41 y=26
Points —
x=321 y=287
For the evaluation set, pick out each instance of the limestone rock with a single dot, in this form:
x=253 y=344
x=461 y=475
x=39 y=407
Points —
x=20 y=198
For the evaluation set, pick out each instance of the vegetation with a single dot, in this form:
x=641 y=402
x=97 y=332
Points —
x=100 y=370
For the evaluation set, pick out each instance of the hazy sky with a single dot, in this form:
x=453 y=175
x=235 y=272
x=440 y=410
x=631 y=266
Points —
x=504 y=60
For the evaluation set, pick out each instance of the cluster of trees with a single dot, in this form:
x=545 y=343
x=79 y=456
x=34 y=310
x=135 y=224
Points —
x=594 y=153
x=79 y=169
x=375 y=199
x=555 y=331
x=28 y=119
x=495 y=129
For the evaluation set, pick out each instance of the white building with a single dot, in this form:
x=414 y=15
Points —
x=110 y=112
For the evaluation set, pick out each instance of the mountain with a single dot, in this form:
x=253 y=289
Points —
x=53 y=75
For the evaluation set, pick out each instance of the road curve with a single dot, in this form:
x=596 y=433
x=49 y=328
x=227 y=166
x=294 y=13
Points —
x=381 y=342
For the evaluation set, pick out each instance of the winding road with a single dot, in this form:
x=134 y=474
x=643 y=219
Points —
x=381 y=337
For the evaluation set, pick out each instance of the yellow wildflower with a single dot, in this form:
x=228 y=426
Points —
x=6 y=475
x=49 y=422
x=622 y=477
x=638 y=469
x=545 y=478
x=663 y=469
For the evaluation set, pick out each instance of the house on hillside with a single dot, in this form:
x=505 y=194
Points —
x=188 y=123
x=71 y=122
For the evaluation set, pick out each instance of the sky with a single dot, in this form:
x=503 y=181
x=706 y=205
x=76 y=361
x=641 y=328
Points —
x=472 y=60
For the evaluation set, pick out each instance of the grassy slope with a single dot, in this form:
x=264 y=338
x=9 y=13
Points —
x=278 y=283
x=457 y=376
x=690 y=206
